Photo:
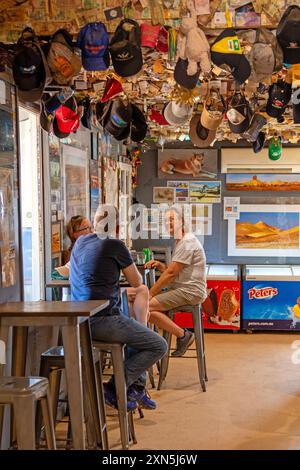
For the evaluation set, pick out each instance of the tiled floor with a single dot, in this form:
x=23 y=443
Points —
x=252 y=400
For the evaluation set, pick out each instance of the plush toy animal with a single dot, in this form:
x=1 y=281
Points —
x=193 y=45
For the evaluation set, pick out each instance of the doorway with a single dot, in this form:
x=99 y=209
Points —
x=31 y=205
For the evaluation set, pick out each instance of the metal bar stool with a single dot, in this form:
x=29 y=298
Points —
x=199 y=340
x=52 y=364
x=125 y=418
x=23 y=393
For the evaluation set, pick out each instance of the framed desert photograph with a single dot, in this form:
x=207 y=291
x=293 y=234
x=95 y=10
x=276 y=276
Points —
x=163 y=194
x=187 y=164
x=205 y=191
x=262 y=182
x=267 y=230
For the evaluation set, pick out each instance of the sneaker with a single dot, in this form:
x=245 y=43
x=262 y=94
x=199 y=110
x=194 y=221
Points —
x=111 y=399
x=183 y=344
x=142 y=397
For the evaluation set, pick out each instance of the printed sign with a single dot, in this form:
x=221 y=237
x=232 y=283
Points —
x=271 y=305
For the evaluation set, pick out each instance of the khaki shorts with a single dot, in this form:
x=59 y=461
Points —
x=174 y=298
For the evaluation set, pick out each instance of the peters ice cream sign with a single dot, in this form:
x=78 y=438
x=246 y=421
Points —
x=262 y=293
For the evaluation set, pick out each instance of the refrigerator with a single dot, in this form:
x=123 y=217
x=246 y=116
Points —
x=221 y=310
x=271 y=297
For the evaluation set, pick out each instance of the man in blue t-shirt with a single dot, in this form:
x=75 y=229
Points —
x=96 y=264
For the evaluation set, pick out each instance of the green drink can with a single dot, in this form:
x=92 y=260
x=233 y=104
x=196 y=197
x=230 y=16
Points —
x=147 y=254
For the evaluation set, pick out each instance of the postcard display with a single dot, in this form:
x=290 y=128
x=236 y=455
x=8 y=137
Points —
x=9 y=262
x=271 y=297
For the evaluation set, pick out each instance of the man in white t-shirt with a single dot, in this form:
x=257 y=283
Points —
x=185 y=278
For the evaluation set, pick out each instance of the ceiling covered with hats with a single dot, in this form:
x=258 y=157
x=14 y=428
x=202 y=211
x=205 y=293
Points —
x=205 y=70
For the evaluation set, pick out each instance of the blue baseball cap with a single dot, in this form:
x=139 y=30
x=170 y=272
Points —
x=93 y=41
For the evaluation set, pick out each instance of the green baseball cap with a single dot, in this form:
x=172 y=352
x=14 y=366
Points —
x=275 y=148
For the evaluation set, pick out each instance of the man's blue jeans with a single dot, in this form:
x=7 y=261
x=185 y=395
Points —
x=146 y=346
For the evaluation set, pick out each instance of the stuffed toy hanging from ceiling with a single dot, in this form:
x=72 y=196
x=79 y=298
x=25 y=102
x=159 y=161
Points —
x=193 y=45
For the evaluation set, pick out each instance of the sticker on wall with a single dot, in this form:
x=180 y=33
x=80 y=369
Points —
x=231 y=208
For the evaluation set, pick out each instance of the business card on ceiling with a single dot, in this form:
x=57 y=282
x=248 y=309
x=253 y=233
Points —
x=113 y=13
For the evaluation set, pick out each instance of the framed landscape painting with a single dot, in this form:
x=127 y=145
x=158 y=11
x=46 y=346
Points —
x=267 y=230
x=262 y=182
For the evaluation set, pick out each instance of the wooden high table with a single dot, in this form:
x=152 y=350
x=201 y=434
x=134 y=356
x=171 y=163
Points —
x=67 y=315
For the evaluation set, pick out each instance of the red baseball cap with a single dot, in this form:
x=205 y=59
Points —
x=66 y=119
x=158 y=117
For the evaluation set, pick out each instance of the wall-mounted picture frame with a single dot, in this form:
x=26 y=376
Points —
x=76 y=182
x=94 y=145
x=181 y=190
x=163 y=194
x=189 y=164
x=95 y=190
x=262 y=182
x=56 y=237
x=205 y=191
x=56 y=260
x=265 y=230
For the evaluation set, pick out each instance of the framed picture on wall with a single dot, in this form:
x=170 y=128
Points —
x=56 y=237
x=56 y=260
x=205 y=191
x=94 y=145
x=188 y=164
x=163 y=194
x=95 y=183
x=262 y=182
x=265 y=230
x=76 y=182
x=181 y=190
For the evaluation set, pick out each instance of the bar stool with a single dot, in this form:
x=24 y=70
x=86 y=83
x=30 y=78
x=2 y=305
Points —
x=52 y=365
x=199 y=340
x=116 y=351
x=23 y=393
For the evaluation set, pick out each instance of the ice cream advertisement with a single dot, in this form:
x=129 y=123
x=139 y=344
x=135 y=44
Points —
x=271 y=305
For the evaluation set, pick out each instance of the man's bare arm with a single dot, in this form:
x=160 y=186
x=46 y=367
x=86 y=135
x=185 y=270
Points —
x=133 y=276
x=167 y=277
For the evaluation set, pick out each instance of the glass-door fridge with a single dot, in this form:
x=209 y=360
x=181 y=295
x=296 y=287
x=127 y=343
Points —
x=271 y=297
x=221 y=310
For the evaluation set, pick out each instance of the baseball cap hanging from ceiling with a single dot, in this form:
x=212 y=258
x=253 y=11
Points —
x=93 y=41
x=66 y=119
x=226 y=49
x=125 y=48
x=30 y=69
x=116 y=119
x=63 y=61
